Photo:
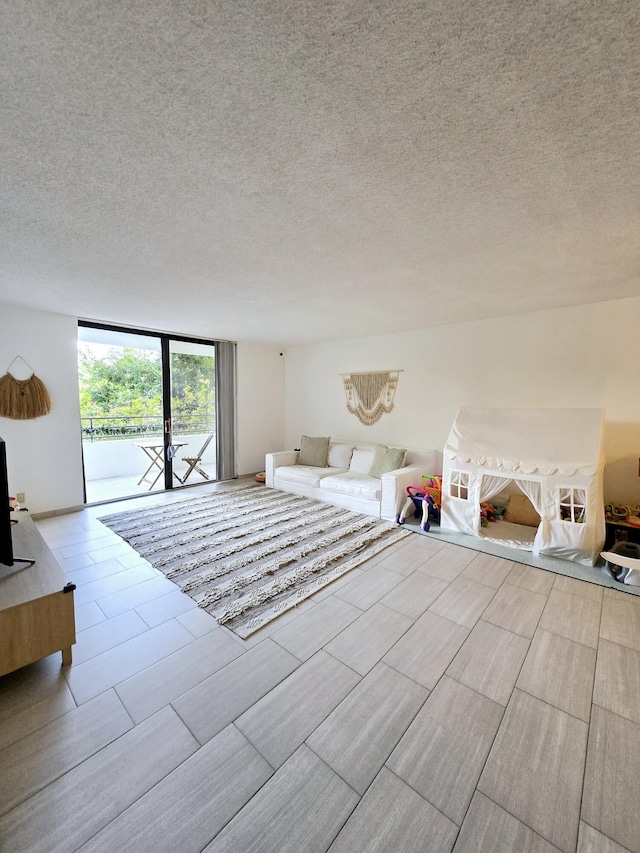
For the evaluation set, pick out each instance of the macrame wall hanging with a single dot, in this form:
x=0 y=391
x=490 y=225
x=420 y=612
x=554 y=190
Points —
x=23 y=399
x=370 y=395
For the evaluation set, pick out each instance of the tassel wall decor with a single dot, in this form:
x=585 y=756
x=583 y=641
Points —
x=23 y=399
x=370 y=395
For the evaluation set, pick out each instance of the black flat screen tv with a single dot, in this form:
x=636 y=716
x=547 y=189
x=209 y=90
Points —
x=6 y=547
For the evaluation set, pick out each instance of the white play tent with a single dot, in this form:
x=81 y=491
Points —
x=553 y=456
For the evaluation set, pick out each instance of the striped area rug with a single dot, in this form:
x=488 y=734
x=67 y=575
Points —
x=247 y=554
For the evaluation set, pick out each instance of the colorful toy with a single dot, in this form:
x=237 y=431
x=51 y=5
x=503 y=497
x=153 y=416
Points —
x=423 y=504
x=487 y=514
x=432 y=485
x=617 y=512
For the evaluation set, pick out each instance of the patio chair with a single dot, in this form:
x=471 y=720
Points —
x=193 y=462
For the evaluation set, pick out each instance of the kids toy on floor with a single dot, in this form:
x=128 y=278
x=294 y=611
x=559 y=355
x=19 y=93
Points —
x=425 y=501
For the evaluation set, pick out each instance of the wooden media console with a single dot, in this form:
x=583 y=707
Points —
x=37 y=614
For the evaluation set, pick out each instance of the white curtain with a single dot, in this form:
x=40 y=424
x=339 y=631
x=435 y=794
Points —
x=533 y=490
x=491 y=486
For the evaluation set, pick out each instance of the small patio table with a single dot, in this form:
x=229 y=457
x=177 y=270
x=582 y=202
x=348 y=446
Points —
x=155 y=450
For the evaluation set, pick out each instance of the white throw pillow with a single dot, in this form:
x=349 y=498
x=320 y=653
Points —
x=339 y=455
x=361 y=460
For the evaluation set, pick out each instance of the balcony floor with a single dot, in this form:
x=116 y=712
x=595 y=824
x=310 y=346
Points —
x=109 y=488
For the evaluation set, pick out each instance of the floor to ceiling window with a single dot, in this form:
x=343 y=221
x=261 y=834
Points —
x=157 y=411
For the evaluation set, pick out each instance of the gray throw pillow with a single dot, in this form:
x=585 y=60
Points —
x=386 y=459
x=314 y=451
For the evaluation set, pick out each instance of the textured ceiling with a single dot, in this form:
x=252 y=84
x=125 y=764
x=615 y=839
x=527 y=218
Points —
x=296 y=171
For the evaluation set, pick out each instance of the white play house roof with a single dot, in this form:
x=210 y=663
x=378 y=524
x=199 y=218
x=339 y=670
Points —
x=554 y=456
x=532 y=441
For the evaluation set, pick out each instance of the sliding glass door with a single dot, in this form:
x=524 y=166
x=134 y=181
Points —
x=149 y=412
x=193 y=411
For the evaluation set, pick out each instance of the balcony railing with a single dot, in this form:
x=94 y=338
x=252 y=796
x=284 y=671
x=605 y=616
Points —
x=140 y=426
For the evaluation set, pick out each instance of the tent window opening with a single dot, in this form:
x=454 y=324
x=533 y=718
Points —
x=572 y=505
x=459 y=485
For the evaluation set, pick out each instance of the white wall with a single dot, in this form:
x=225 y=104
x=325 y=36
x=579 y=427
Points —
x=580 y=357
x=44 y=455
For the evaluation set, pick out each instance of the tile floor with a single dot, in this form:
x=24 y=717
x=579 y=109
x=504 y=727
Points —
x=434 y=699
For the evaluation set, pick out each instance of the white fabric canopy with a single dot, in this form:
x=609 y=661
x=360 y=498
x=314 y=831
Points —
x=554 y=456
x=529 y=441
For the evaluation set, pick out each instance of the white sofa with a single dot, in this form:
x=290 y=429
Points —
x=345 y=481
